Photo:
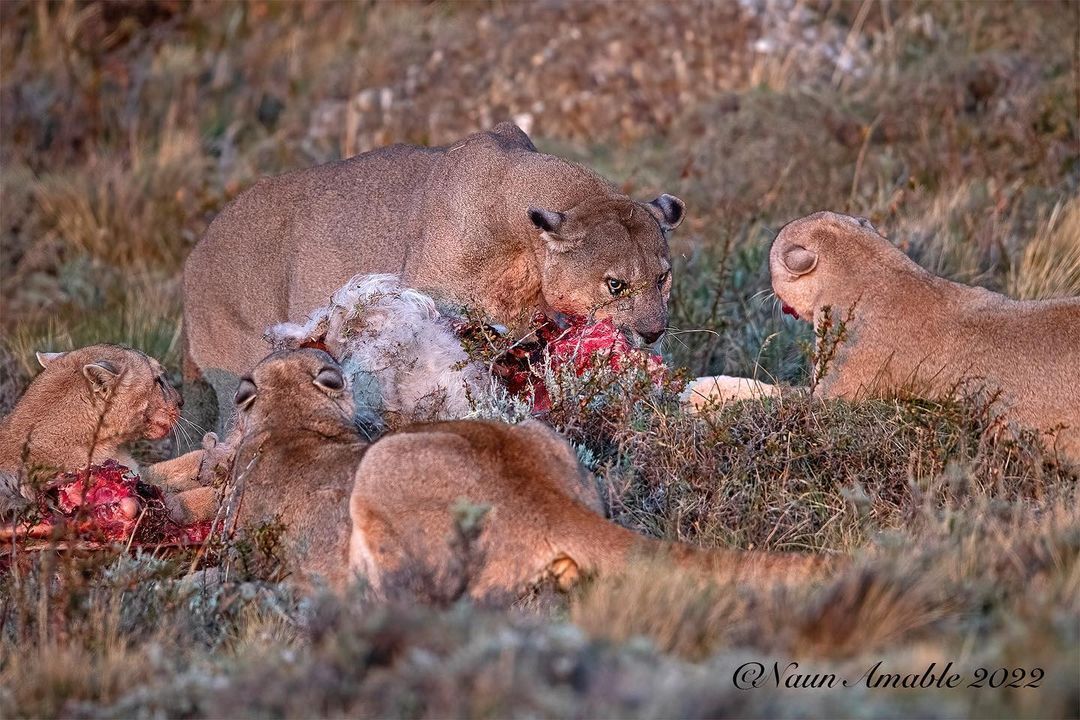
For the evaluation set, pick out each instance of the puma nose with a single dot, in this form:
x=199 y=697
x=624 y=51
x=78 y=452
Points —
x=651 y=336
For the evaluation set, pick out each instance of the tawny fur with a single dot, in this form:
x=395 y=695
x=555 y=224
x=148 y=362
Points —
x=296 y=460
x=401 y=354
x=914 y=331
x=543 y=519
x=488 y=223
x=87 y=406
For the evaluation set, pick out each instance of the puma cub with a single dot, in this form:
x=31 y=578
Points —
x=85 y=407
x=543 y=520
x=296 y=458
x=911 y=329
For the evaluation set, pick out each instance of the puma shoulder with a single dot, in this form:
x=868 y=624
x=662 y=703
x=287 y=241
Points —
x=494 y=508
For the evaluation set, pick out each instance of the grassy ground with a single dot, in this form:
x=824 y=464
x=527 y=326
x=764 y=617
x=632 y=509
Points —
x=952 y=126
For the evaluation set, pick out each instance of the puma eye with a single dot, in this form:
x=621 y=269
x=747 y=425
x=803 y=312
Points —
x=330 y=379
x=245 y=394
x=617 y=288
x=663 y=279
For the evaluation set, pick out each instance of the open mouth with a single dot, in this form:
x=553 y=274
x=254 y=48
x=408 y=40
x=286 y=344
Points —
x=788 y=310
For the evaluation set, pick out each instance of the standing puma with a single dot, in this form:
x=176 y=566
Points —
x=488 y=222
x=542 y=522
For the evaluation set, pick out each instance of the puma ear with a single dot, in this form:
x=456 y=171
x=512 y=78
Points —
x=330 y=381
x=549 y=222
x=245 y=394
x=102 y=376
x=45 y=358
x=668 y=210
x=798 y=260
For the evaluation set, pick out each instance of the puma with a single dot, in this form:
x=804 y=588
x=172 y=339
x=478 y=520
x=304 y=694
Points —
x=912 y=331
x=487 y=223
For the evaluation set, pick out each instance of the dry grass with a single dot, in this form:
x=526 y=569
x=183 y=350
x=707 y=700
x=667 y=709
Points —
x=1050 y=264
x=133 y=213
x=952 y=126
x=977 y=586
x=898 y=592
x=139 y=311
x=795 y=473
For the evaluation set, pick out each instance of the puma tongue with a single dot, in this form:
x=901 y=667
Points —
x=788 y=310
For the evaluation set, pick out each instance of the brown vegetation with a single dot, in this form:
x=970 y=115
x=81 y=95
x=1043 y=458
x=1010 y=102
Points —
x=952 y=126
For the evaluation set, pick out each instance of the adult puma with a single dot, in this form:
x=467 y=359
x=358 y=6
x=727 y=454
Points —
x=488 y=222
x=543 y=519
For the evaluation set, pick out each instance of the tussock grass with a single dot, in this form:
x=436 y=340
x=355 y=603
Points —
x=952 y=581
x=796 y=473
x=962 y=592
